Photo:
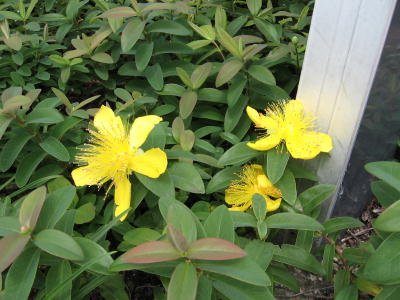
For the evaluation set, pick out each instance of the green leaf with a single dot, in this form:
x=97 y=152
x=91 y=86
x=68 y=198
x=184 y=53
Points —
x=348 y=293
x=12 y=149
x=187 y=103
x=169 y=27
x=281 y=275
x=162 y=186
x=316 y=195
x=59 y=244
x=259 y=207
x=184 y=76
x=254 y=6
x=55 y=206
x=9 y=225
x=340 y=223
x=101 y=57
x=44 y=116
x=287 y=185
x=183 y=283
x=151 y=252
x=25 y=267
x=85 y=213
x=388 y=220
x=182 y=219
x=154 y=76
x=391 y=292
x=123 y=94
x=5 y=120
x=222 y=179
x=327 y=260
x=62 y=97
x=236 y=89
x=261 y=252
x=236 y=290
x=214 y=249
x=93 y=250
x=342 y=280
x=141 y=235
x=388 y=171
x=300 y=172
x=62 y=285
x=242 y=269
x=238 y=154
x=242 y=219
x=276 y=164
x=220 y=17
x=31 y=207
x=27 y=166
x=293 y=221
x=185 y=176
x=131 y=34
x=228 y=71
x=198 y=44
x=219 y=224
x=298 y=257
x=204 y=288
x=200 y=75
x=384 y=193
x=55 y=148
x=10 y=247
x=228 y=42
x=143 y=54
x=262 y=74
x=58 y=273
x=268 y=29
x=234 y=114
x=206 y=31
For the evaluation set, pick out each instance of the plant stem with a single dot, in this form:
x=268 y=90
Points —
x=21 y=123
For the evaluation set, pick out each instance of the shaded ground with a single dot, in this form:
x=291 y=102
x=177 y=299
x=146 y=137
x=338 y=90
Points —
x=314 y=287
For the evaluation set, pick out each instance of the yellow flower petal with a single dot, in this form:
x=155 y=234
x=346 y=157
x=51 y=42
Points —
x=151 y=163
x=273 y=205
x=240 y=208
x=260 y=120
x=86 y=176
x=122 y=196
x=266 y=143
x=325 y=141
x=294 y=106
x=267 y=187
x=141 y=129
x=107 y=123
x=309 y=144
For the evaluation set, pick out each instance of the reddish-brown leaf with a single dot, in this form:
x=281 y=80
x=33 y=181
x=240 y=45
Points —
x=151 y=252
x=10 y=247
x=118 y=12
x=214 y=249
x=177 y=239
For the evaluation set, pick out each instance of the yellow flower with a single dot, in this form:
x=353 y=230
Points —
x=113 y=154
x=287 y=122
x=252 y=180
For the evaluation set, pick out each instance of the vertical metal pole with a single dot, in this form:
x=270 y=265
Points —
x=343 y=50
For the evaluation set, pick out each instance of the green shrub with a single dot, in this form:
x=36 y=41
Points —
x=197 y=64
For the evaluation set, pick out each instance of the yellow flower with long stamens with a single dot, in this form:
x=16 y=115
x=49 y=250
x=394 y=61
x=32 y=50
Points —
x=252 y=180
x=287 y=122
x=113 y=154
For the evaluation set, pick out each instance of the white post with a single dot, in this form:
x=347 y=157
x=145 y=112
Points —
x=343 y=50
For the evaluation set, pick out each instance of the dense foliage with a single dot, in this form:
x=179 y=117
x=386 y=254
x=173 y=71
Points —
x=197 y=64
